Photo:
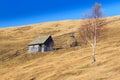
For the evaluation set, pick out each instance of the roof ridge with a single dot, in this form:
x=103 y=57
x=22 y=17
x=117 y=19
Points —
x=39 y=40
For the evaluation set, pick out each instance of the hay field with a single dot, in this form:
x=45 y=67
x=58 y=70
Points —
x=64 y=64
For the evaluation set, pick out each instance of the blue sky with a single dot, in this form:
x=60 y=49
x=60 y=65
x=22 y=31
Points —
x=23 y=12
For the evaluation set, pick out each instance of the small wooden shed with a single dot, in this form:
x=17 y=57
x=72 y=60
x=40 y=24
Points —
x=72 y=41
x=41 y=44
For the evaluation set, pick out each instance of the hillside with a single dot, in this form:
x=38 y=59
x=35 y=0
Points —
x=64 y=64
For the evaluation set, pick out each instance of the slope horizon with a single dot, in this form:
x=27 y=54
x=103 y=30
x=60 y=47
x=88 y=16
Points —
x=50 y=22
x=17 y=13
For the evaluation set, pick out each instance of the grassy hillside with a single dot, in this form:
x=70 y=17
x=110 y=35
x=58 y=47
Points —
x=64 y=64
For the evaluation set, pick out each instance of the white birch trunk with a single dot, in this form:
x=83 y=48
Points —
x=93 y=53
x=94 y=43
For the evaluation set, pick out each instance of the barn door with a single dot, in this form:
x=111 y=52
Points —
x=43 y=48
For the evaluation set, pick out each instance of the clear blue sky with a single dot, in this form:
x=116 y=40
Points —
x=23 y=12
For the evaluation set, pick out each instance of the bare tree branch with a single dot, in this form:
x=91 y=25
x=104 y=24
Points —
x=92 y=27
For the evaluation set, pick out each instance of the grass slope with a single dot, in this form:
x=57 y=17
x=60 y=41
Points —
x=65 y=64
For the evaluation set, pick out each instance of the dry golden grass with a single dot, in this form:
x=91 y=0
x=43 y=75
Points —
x=65 y=64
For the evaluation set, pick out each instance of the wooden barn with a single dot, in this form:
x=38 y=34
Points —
x=41 y=44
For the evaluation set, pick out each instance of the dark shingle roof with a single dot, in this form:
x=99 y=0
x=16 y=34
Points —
x=39 y=40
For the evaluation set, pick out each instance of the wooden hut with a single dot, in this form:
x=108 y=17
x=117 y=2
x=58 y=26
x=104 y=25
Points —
x=41 y=44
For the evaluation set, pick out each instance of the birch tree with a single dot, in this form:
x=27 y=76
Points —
x=91 y=28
